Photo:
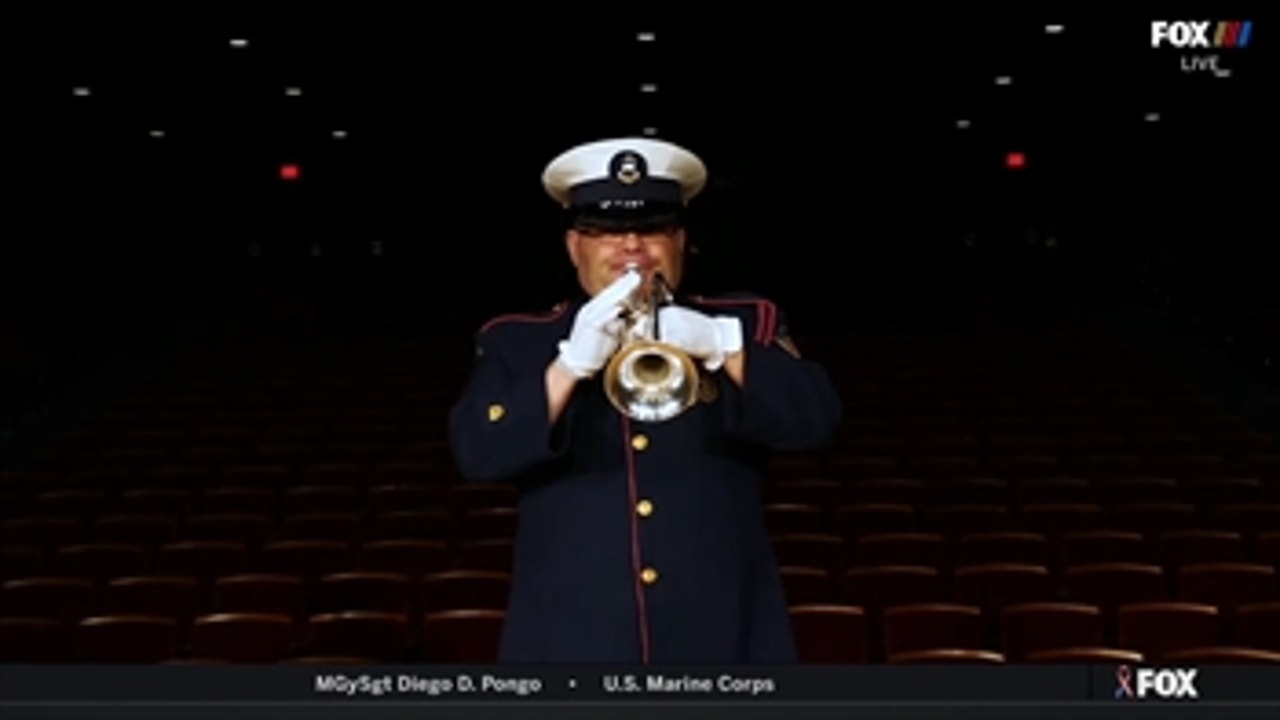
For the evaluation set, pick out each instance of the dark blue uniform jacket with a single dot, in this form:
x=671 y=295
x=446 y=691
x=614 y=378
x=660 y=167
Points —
x=641 y=542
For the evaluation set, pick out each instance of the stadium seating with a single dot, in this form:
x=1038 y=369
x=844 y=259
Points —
x=1044 y=499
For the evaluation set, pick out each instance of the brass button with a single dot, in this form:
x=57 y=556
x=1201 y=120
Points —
x=496 y=412
x=649 y=576
x=644 y=508
x=640 y=442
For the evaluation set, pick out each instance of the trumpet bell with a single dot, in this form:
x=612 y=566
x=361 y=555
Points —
x=651 y=381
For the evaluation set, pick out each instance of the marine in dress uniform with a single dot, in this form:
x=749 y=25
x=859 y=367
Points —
x=639 y=542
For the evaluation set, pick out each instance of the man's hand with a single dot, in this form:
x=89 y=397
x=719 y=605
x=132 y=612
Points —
x=709 y=339
x=597 y=329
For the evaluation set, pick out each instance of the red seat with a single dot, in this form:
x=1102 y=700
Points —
x=1111 y=585
x=1037 y=627
x=1223 y=656
x=493 y=523
x=372 y=591
x=407 y=474
x=982 y=492
x=250 y=638
x=957 y=520
x=1003 y=547
x=102 y=561
x=1086 y=656
x=818 y=493
x=180 y=477
x=858 y=520
x=1268 y=549
x=342 y=527
x=948 y=657
x=1094 y=547
x=239 y=501
x=45 y=533
x=830 y=634
x=462 y=636
x=436 y=525
x=1250 y=518
x=807 y=585
x=794 y=519
x=1059 y=519
x=1130 y=490
x=1156 y=629
x=256 y=475
x=25 y=640
x=944 y=467
x=883 y=491
x=64 y=599
x=126 y=639
x=204 y=560
x=876 y=588
x=1191 y=465
x=136 y=529
x=1194 y=547
x=175 y=598
x=465 y=590
x=992 y=587
x=308 y=559
x=1051 y=491
x=245 y=529
x=1257 y=626
x=335 y=660
x=1108 y=465
x=916 y=549
x=338 y=475
x=1227 y=584
x=390 y=498
x=933 y=626
x=381 y=636
x=318 y=499
x=1154 y=519
x=1220 y=491
x=465 y=498
x=848 y=468
x=170 y=502
x=20 y=561
x=796 y=465
x=71 y=503
x=260 y=594
x=496 y=555
x=1023 y=467
x=414 y=558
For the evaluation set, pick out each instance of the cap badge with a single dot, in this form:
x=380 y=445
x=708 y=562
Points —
x=629 y=168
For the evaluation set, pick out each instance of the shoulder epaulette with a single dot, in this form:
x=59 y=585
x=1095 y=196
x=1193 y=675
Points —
x=766 y=312
x=551 y=315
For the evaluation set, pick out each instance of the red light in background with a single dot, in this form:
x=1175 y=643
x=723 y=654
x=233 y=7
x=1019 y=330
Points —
x=1015 y=161
x=290 y=171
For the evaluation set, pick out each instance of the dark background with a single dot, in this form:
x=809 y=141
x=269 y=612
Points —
x=840 y=183
x=174 y=314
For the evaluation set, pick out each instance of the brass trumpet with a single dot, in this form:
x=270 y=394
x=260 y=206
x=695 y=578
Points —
x=646 y=379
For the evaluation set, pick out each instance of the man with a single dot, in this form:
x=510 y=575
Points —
x=638 y=542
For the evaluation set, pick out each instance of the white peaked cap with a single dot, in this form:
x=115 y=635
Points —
x=624 y=169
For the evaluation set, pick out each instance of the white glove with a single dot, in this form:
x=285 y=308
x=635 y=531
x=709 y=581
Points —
x=597 y=329
x=709 y=339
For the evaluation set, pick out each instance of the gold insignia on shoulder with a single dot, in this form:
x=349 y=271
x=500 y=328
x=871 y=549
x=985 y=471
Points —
x=788 y=346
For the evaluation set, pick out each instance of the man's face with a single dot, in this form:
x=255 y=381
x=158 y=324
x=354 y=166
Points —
x=601 y=257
